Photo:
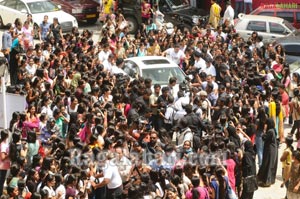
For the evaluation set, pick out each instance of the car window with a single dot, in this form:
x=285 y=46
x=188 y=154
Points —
x=131 y=69
x=289 y=16
x=277 y=28
x=298 y=17
x=21 y=6
x=42 y=6
x=162 y=75
x=266 y=13
x=292 y=49
x=259 y=26
x=10 y=4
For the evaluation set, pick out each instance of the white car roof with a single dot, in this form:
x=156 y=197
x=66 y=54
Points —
x=260 y=18
x=140 y=62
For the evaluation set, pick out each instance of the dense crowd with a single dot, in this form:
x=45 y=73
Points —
x=90 y=131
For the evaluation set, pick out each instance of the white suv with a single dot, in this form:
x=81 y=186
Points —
x=268 y=27
x=159 y=69
x=12 y=9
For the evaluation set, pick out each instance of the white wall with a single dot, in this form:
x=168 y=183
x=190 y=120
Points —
x=13 y=103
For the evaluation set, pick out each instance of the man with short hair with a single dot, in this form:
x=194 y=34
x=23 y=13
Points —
x=117 y=69
x=151 y=147
x=112 y=179
x=104 y=53
x=175 y=54
x=159 y=163
x=153 y=104
x=7 y=40
x=172 y=83
x=229 y=13
x=123 y=164
x=162 y=102
x=206 y=106
x=209 y=69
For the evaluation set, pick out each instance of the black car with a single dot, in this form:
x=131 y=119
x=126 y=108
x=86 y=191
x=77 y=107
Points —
x=175 y=11
x=291 y=45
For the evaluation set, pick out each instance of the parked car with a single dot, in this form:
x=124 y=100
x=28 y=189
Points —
x=157 y=68
x=12 y=9
x=291 y=46
x=82 y=10
x=175 y=11
x=294 y=68
x=287 y=11
x=268 y=27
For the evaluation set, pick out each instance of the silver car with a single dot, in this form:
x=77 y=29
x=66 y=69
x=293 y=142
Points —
x=268 y=27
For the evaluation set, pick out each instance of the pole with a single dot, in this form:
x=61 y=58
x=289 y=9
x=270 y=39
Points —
x=4 y=101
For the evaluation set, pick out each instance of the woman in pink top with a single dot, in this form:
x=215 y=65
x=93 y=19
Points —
x=146 y=11
x=230 y=167
x=197 y=191
x=4 y=158
x=27 y=34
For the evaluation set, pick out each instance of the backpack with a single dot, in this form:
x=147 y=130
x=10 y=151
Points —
x=15 y=152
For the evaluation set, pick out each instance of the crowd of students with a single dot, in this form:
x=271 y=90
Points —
x=90 y=131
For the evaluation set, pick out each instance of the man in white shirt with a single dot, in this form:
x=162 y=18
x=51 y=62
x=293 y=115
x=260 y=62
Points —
x=109 y=63
x=199 y=62
x=229 y=13
x=123 y=164
x=175 y=54
x=117 y=69
x=220 y=33
x=210 y=80
x=104 y=53
x=112 y=179
x=209 y=69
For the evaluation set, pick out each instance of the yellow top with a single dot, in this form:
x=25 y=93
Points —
x=214 y=15
x=272 y=111
x=108 y=5
x=288 y=160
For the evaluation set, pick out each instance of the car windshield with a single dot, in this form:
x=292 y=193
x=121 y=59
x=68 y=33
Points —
x=289 y=25
x=176 y=4
x=42 y=7
x=162 y=75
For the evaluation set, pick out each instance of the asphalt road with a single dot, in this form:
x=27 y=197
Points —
x=273 y=192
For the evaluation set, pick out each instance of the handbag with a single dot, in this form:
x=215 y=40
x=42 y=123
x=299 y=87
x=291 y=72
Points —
x=250 y=184
x=230 y=194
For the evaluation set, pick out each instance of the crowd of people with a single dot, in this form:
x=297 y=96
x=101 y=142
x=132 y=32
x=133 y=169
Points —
x=90 y=131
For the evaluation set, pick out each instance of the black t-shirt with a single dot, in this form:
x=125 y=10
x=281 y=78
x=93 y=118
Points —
x=56 y=30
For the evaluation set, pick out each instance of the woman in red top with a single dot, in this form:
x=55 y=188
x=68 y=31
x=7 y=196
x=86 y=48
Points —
x=146 y=11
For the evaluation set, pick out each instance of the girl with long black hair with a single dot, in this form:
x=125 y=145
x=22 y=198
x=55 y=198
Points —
x=4 y=158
